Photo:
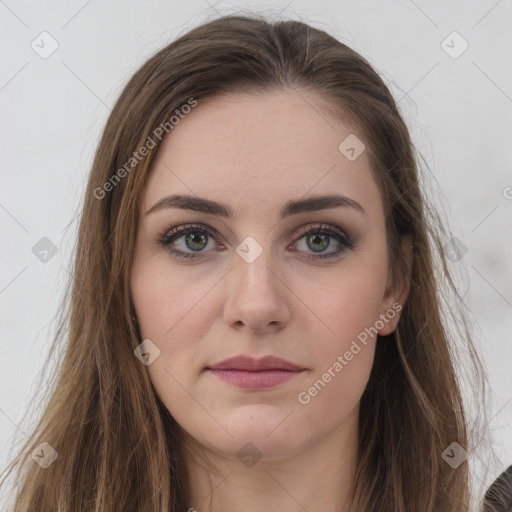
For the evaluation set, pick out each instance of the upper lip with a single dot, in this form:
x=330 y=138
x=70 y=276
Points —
x=249 y=363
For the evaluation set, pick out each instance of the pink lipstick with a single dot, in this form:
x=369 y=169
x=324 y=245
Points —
x=249 y=373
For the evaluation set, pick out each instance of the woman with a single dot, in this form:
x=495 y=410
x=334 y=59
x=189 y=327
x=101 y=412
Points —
x=256 y=313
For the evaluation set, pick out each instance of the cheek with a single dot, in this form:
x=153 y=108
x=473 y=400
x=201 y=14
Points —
x=349 y=306
x=171 y=312
x=161 y=303
x=163 y=298
x=344 y=363
x=345 y=345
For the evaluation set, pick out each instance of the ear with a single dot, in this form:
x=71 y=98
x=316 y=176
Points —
x=397 y=291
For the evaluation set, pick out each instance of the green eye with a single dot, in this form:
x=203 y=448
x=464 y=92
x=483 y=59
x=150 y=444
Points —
x=195 y=238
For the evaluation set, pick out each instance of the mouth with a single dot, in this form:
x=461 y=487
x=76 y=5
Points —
x=249 y=373
x=255 y=379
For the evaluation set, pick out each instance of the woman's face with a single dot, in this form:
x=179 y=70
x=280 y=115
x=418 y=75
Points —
x=254 y=283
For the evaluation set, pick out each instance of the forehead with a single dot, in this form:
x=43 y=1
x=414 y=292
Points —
x=258 y=150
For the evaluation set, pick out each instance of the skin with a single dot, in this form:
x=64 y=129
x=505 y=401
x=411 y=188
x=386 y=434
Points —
x=255 y=152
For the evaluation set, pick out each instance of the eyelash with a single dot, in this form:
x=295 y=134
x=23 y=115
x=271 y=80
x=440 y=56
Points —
x=174 y=233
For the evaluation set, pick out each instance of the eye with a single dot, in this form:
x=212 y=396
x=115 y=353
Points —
x=195 y=238
x=319 y=237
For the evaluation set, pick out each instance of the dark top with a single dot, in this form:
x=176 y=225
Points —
x=498 y=497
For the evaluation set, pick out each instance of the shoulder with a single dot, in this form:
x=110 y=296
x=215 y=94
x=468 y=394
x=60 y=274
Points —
x=498 y=497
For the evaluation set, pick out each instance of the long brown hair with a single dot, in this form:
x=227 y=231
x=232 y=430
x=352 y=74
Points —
x=118 y=447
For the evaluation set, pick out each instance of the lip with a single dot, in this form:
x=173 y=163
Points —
x=255 y=379
x=248 y=363
x=249 y=373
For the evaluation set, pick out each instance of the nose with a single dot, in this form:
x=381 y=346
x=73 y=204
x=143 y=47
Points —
x=257 y=297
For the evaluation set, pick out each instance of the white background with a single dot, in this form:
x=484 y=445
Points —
x=459 y=111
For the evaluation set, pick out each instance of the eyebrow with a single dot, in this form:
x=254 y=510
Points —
x=291 y=207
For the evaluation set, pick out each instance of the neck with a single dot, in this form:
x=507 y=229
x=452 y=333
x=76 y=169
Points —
x=318 y=477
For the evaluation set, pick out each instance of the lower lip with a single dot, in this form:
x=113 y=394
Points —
x=260 y=379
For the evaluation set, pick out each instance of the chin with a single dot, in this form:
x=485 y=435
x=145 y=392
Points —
x=266 y=438
x=249 y=448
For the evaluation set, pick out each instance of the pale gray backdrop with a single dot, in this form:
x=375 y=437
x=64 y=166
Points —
x=64 y=64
